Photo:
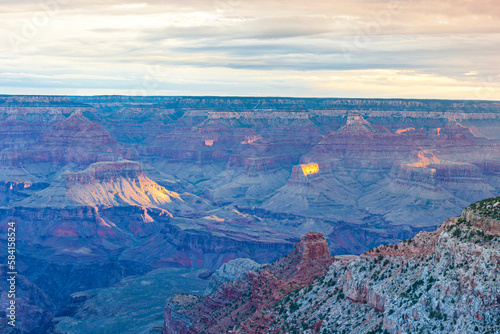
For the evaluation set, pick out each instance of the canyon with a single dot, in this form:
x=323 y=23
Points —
x=106 y=188
x=444 y=281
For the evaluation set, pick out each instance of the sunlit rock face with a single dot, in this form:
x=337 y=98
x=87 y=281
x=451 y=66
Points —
x=425 y=158
x=446 y=186
x=392 y=173
x=400 y=131
x=121 y=183
x=106 y=185
x=311 y=168
x=455 y=130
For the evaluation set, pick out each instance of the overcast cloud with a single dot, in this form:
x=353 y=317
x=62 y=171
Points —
x=354 y=48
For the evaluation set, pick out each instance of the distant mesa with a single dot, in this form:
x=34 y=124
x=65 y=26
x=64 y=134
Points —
x=108 y=171
x=250 y=139
x=108 y=184
x=356 y=123
x=311 y=168
x=75 y=139
x=455 y=129
x=209 y=142
x=425 y=158
x=400 y=131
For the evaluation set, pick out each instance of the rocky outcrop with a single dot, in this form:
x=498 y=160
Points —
x=312 y=246
x=107 y=172
x=439 y=282
x=455 y=130
x=484 y=215
x=244 y=303
x=231 y=271
x=357 y=124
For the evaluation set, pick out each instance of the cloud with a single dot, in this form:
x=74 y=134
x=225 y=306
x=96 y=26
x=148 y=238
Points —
x=85 y=45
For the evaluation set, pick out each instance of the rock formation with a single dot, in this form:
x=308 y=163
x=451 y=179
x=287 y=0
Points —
x=97 y=183
x=438 y=282
x=244 y=303
x=231 y=271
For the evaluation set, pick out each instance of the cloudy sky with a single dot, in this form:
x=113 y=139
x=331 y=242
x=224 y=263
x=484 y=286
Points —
x=335 y=48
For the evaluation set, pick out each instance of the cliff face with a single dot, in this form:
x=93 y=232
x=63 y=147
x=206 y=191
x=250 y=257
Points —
x=355 y=123
x=252 y=152
x=438 y=282
x=32 y=305
x=244 y=303
x=408 y=176
x=231 y=271
x=444 y=186
x=75 y=139
x=311 y=246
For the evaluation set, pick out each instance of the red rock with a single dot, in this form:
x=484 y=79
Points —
x=312 y=246
x=75 y=139
x=255 y=295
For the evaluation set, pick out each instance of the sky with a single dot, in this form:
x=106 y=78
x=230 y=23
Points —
x=444 y=49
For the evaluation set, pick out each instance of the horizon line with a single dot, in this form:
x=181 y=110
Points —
x=251 y=97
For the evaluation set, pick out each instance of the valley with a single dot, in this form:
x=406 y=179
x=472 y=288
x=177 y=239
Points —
x=110 y=188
